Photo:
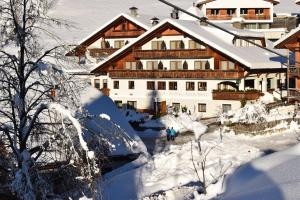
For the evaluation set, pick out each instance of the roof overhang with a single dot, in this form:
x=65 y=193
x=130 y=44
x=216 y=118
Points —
x=283 y=42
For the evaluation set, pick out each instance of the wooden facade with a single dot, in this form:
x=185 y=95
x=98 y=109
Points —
x=222 y=14
x=120 y=28
x=184 y=74
x=236 y=95
x=135 y=53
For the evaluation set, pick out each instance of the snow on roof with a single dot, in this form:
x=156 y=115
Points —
x=270 y=177
x=287 y=7
x=139 y=20
x=241 y=32
x=286 y=37
x=252 y=57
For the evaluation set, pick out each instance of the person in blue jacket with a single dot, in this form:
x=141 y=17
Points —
x=168 y=131
x=173 y=134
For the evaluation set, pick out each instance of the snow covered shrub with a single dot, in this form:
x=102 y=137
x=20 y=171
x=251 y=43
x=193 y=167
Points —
x=251 y=113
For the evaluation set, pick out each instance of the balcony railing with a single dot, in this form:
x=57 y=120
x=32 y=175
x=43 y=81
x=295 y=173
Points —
x=98 y=52
x=202 y=74
x=256 y=17
x=235 y=95
x=220 y=17
x=294 y=70
x=180 y=53
x=131 y=33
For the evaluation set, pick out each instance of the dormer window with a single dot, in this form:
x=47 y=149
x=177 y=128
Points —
x=259 y=11
x=215 y=11
x=230 y=12
x=244 y=11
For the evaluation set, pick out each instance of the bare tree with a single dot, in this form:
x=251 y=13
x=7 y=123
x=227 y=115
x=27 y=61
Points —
x=36 y=100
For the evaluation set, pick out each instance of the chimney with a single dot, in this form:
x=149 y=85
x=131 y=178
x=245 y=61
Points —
x=175 y=14
x=154 y=21
x=133 y=11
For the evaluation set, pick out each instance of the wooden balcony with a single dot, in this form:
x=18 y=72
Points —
x=98 y=52
x=256 y=17
x=181 y=53
x=220 y=17
x=184 y=74
x=124 y=34
x=294 y=71
x=235 y=95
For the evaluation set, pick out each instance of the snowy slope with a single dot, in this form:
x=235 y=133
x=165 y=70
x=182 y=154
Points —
x=88 y=15
x=272 y=177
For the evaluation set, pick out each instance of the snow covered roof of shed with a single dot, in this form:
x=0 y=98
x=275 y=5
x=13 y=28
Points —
x=252 y=57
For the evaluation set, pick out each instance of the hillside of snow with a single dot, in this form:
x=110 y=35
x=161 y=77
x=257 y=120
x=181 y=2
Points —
x=86 y=16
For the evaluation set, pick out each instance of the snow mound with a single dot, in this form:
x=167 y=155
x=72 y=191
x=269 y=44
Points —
x=107 y=121
x=271 y=177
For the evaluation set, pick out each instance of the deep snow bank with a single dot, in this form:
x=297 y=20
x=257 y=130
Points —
x=109 y=122
x=271 y=177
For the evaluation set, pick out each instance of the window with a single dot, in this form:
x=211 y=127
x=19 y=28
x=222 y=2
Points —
x=104 y=83
x=227 y=65
x=244 y=11
x=161 y=85
x=119 y=43
x=158 y=45
x=190 y=86
x=131 y=85
x=176 y=107
x=130 y=65
x=176 y=44
x=215 y=11
x=195 y=45
x=226 y=107
x=116 y=85
x=230 y=12
x=202 y=86
x=251 y=26
x=152 y=65
x=172 y=85
x=249 y=83
x=201 y=107
x=150 y=85
x=97 y=83
x=259 y=11
x=175 y=65
x=131 y=105
x=119 y=103
x=201 y=65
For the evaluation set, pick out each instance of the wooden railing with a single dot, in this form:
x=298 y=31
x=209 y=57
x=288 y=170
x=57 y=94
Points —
x=203 y=74
x=294 y=93
x=220 y=17
x=132 y=33
x=256 y=17
x=236 y=95
x=96 y=52
x=180 y=53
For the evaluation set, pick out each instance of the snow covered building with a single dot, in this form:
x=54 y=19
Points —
x=184 y=64
x=112 y=36
x=268 y=16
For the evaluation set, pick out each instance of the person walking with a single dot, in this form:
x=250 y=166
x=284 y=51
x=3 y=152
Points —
x=173 y=134
x=168 y=132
